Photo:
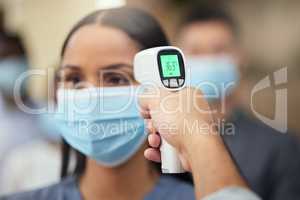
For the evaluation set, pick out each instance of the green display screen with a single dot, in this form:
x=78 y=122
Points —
x=170 y=66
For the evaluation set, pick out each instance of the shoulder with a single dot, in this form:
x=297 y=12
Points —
x=170 y=188
x=66 y=188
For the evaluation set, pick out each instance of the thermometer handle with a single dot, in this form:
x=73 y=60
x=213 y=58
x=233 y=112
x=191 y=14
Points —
x=170 y=163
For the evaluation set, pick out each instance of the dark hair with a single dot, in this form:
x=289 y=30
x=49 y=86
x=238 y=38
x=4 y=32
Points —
x=137 y=24
x=211 y=12
x=140 y=27
x=11 y=43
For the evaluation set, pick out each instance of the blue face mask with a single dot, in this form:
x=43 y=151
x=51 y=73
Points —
x=215 y=76
x=102 y=123
x=10 y=70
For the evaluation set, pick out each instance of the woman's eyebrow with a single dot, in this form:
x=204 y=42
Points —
x=117 y=66
x=60 y=70
x=68 y=66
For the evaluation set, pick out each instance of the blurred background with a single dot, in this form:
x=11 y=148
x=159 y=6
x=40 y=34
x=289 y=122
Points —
x=270 y=38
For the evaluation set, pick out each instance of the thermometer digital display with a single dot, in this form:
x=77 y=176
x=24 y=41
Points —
x=170 y=66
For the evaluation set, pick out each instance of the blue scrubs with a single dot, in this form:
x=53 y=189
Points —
x=167 y=188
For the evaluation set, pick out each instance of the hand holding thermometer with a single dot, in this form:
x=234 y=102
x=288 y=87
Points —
x=164 y=67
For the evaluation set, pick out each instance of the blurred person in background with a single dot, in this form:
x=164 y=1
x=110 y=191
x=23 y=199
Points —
x=16 y=127
x=269 y=160
x=29 y=151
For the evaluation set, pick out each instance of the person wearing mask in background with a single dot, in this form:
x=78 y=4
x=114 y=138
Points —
x=13 y=62
x=268 y=160
x=23 y=137
x=16 y=127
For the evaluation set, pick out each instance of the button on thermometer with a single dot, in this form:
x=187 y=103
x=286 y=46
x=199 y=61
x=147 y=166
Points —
x=163 y=67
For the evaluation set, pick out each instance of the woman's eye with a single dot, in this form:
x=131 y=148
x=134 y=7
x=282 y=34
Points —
x=75 y=79
x=72 y=80
x=115 y=80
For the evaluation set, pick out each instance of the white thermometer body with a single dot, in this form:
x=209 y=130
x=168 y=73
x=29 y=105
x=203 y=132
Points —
x=163 y=67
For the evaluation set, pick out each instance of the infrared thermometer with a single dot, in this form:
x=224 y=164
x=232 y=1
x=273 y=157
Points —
x=163 y=67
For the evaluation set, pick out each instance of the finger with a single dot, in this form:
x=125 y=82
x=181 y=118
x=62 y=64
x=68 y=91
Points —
x=154 y=140
x=145 y=114
x=144 y=101
x=150 y=127
x=152 y=154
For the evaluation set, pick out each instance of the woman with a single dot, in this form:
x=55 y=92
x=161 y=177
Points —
x=105 y=43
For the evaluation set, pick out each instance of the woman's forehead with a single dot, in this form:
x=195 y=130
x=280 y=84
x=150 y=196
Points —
x=97 y=43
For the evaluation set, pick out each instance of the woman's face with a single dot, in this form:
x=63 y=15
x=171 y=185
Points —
x=98 y=56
